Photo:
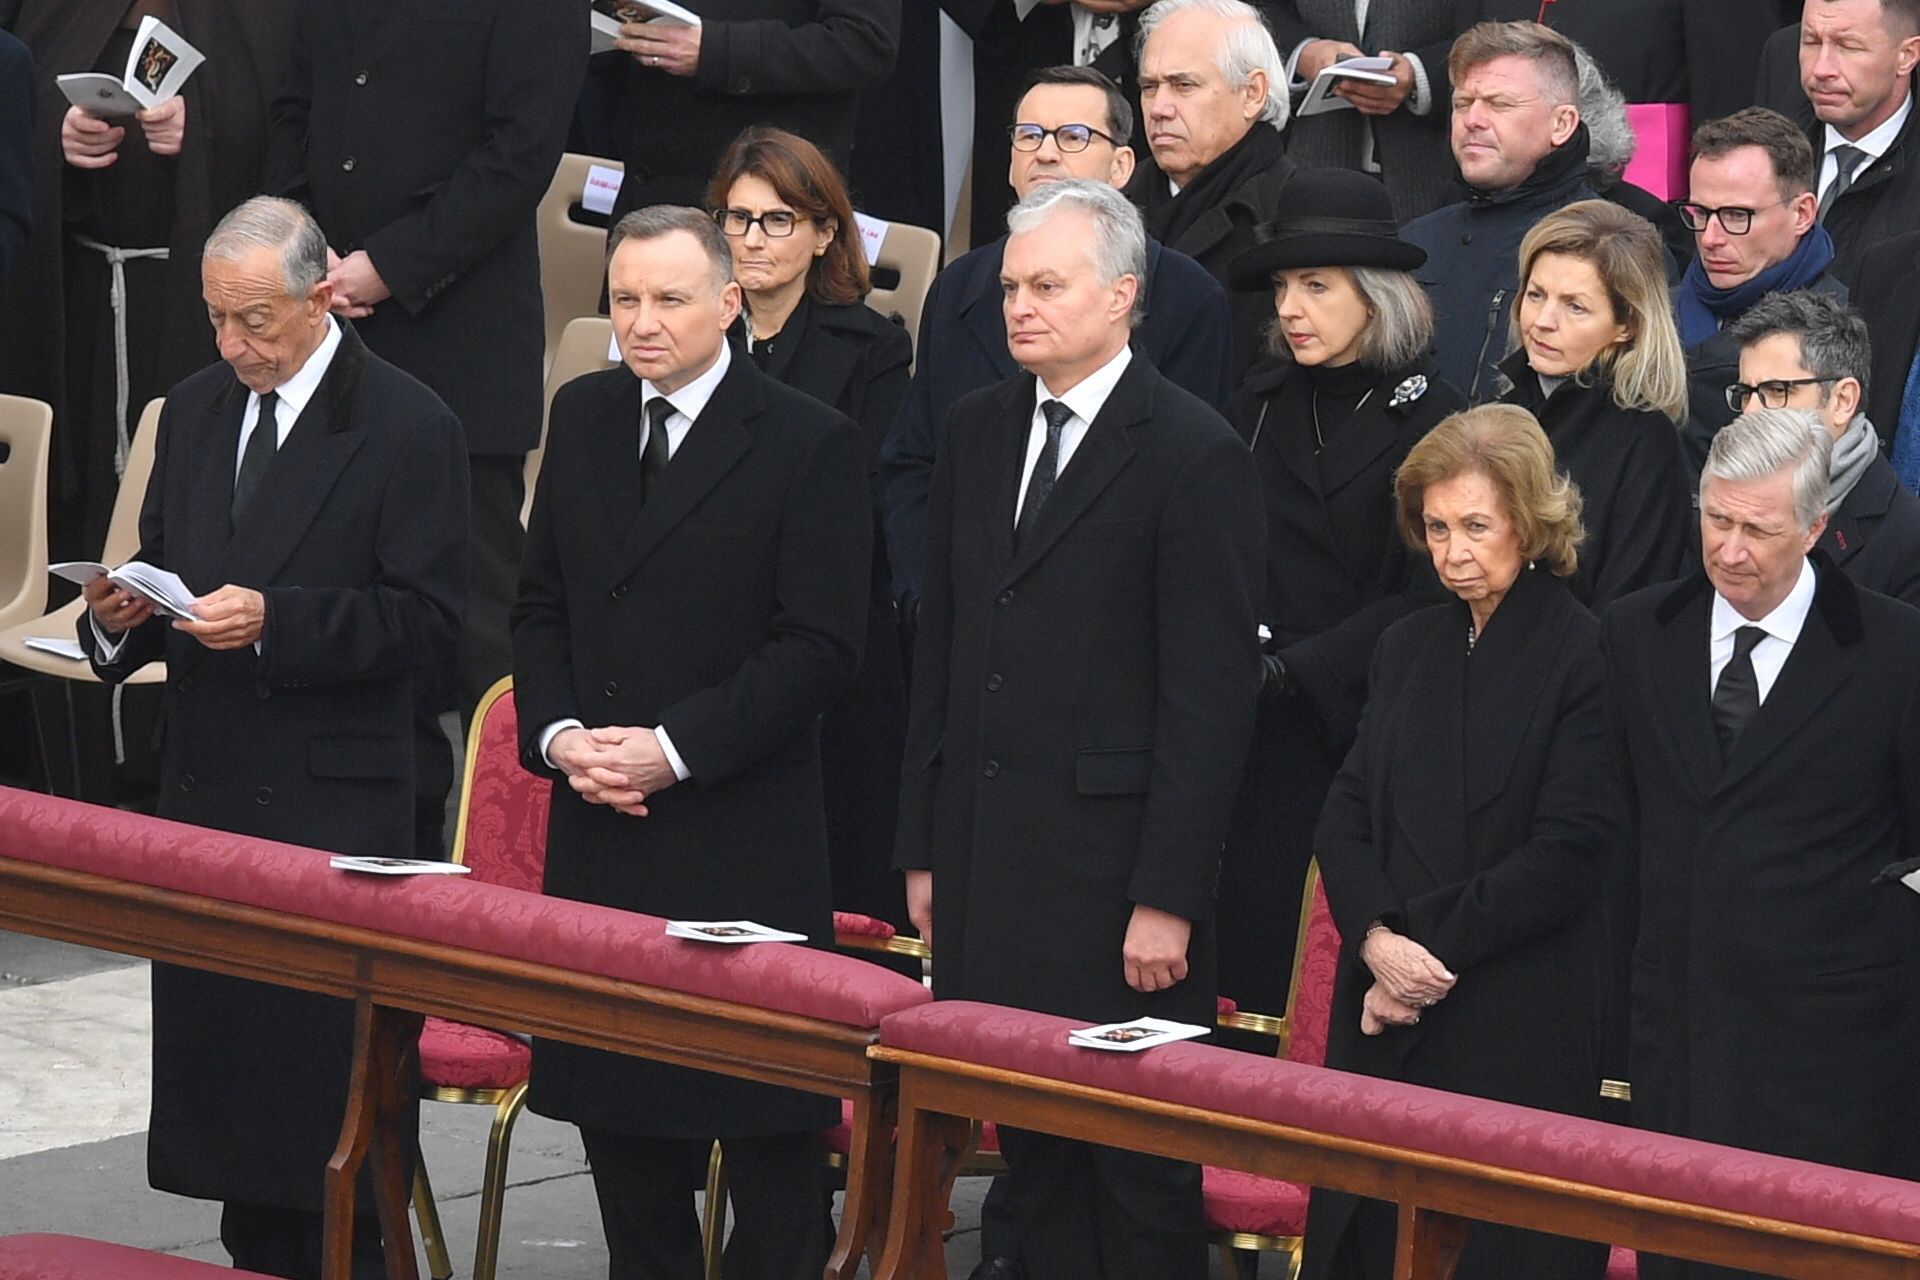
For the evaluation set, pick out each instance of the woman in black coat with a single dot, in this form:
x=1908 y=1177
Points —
x=1463 y=841
x=1600 y=366
x=1344 y=392
x=797 y=255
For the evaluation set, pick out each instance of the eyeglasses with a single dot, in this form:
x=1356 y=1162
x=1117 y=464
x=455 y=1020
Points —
x=1774 y=392
x=1735 y=220
x=1070 y=138
x=777 y=223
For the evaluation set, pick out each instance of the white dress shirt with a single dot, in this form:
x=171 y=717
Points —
x=294 y=394
x=689 y=402
x=1875 y=144
x=1782 y=626
x=1086 y=399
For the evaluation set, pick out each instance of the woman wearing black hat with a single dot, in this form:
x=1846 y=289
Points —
x=1345 y=391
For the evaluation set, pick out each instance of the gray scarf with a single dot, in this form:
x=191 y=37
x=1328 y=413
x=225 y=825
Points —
x=1852 y=452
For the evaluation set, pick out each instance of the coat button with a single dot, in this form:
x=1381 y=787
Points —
x=263 y=795
x=1005 y=597
x=991 y=769
x=610 y=688
x=184 y=684
x=618 y=593
x=993 y=683
x=347 y=165
x=360 y=79
x=186 y=782
x=1467 y=238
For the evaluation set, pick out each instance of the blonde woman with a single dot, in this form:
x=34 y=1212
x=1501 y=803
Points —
x=1599 y=364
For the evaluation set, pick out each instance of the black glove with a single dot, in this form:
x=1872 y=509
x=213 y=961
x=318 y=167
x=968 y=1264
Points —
x=1274 y=682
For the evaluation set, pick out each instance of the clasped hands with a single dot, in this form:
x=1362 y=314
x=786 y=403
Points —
x=88 y=142
x=230 y=618
x=615 y=765
x=1407 y=978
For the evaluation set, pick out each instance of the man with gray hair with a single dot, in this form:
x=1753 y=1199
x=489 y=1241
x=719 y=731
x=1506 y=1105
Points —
x=1807 y=352
x=1767 y=725
x=315 y=498
x=1083 y=695
x=1213 y=100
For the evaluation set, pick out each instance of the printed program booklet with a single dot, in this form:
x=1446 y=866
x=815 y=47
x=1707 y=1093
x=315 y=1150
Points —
x=729 y=932
x=159 y=65
x=1132 y=1037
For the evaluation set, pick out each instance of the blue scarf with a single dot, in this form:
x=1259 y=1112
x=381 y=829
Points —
x=1701 y=306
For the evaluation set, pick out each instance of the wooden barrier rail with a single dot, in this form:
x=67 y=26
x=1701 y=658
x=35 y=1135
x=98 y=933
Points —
x=1461 y=1160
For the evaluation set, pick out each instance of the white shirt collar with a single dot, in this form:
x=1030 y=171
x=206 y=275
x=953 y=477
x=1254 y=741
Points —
x=1786 y=620
x=1090 y=394
x=296 y=391
x=1876 y=143
x=691 y=399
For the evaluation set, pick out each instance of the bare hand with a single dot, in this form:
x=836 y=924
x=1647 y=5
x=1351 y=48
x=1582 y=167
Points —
x=1410 y=973
x=636 y=769
x=1378 y=1011
x=920 y=903
x=230 y=618
x=1155 y=951
x=663 y=46
x=1380 y=99
x=357 y=287
x=115 y=609
x=166 y=126
x=89 y=142
x=1321 y=54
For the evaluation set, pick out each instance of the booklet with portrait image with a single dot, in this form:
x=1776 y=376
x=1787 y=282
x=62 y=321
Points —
x=608 y=16
x=159 y=65
x=1132 y=1037
x=729 y=932
x=1320 y=95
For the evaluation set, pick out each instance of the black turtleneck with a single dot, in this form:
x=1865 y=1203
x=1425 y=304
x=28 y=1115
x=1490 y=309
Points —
x=1560 y=172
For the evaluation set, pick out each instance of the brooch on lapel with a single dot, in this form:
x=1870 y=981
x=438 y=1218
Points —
x=1409 y=391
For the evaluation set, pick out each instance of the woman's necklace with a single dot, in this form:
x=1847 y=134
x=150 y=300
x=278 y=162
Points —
x=1320 y=441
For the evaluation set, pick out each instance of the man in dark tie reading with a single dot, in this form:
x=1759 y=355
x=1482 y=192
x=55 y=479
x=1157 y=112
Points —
x=1083 y=693
x=694 y=596
x=316 y=497
x=1767 y=724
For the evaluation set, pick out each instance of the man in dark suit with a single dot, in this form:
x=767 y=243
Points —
x=1768 y=733
x=316 y=498
x=1213 y=100
x=425 y=171
x=694 y=596
x=1889 y=299
x=1846 y=73
x=1808 y=352
x=963 y=334
x=1082 y=703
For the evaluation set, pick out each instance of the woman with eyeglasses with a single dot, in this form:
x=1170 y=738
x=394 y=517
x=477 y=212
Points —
x=1599 y=364
x=798 y=258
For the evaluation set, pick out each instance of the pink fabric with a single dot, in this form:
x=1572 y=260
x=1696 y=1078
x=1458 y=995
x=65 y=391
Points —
x=1224 y=1007
x=1313 y=996
x=453 y=911
x=1237 y=1201
x=1385 y=1111
x=1663 y=133
x=505 y=836
x=457 y=1055
x=853 y=924
x=1623 y=1264
x=49 y=1257
x=839 y=1139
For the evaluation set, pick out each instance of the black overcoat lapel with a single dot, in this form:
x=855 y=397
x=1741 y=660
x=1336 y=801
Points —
x=1372 y=430
x=1014 y=402
x=1686 y=693
x=1507 y=677
x=982 y=315
x=713 y=446
x=1429 y=727
x=1102 y=454
x=210 y=488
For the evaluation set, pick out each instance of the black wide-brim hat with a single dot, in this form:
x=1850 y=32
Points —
x=1326 y=218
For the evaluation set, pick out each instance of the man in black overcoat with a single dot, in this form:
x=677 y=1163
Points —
x=16 y=149
x=1082 y=703
x=329 y=548
x=423 y=137
x=694 y=596
x=1767 y=729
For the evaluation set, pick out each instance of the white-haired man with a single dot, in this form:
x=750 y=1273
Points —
x=1213 y=100
x=1083 y=699
x=1767 y=721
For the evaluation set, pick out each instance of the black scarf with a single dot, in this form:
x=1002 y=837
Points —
x=1169 y=215
x=1553 y=181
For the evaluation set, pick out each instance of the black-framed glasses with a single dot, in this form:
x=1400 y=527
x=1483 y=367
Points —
x=1735 y=219
x=777 y=223
x=1068 y=137
x=1774 y=392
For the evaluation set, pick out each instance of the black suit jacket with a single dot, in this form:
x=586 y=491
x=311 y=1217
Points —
x=16 y=149
x=1081 y=704
x=426 y=134
x=357 y=538
x=1771 y=972
x=730 y=609
x=1874 y=534
x=1889 y=299
x=963 y=347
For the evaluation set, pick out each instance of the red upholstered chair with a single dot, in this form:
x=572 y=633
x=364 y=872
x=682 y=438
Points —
x=502 y=834
x=1623 y=1264
x=1250 y=1214
x=51 y=1257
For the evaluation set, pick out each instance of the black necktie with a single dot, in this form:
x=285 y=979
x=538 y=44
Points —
x=1737 y=696
x=653 y=454
x=261 y=446
x=1846 y=162
x=1046 y=469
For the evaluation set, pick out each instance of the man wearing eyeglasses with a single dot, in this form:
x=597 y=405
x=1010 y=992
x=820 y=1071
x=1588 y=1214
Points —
x=1755 y=223
x=1809 y=352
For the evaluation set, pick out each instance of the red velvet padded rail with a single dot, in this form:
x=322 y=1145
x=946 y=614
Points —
x=47 y=1257
x=1402 y=1115
x=509 y=923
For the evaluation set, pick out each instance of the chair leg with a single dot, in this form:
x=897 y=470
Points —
x=1229 y=1262
x=493 y=1184
x=432 y=1238
x=713 y=1217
